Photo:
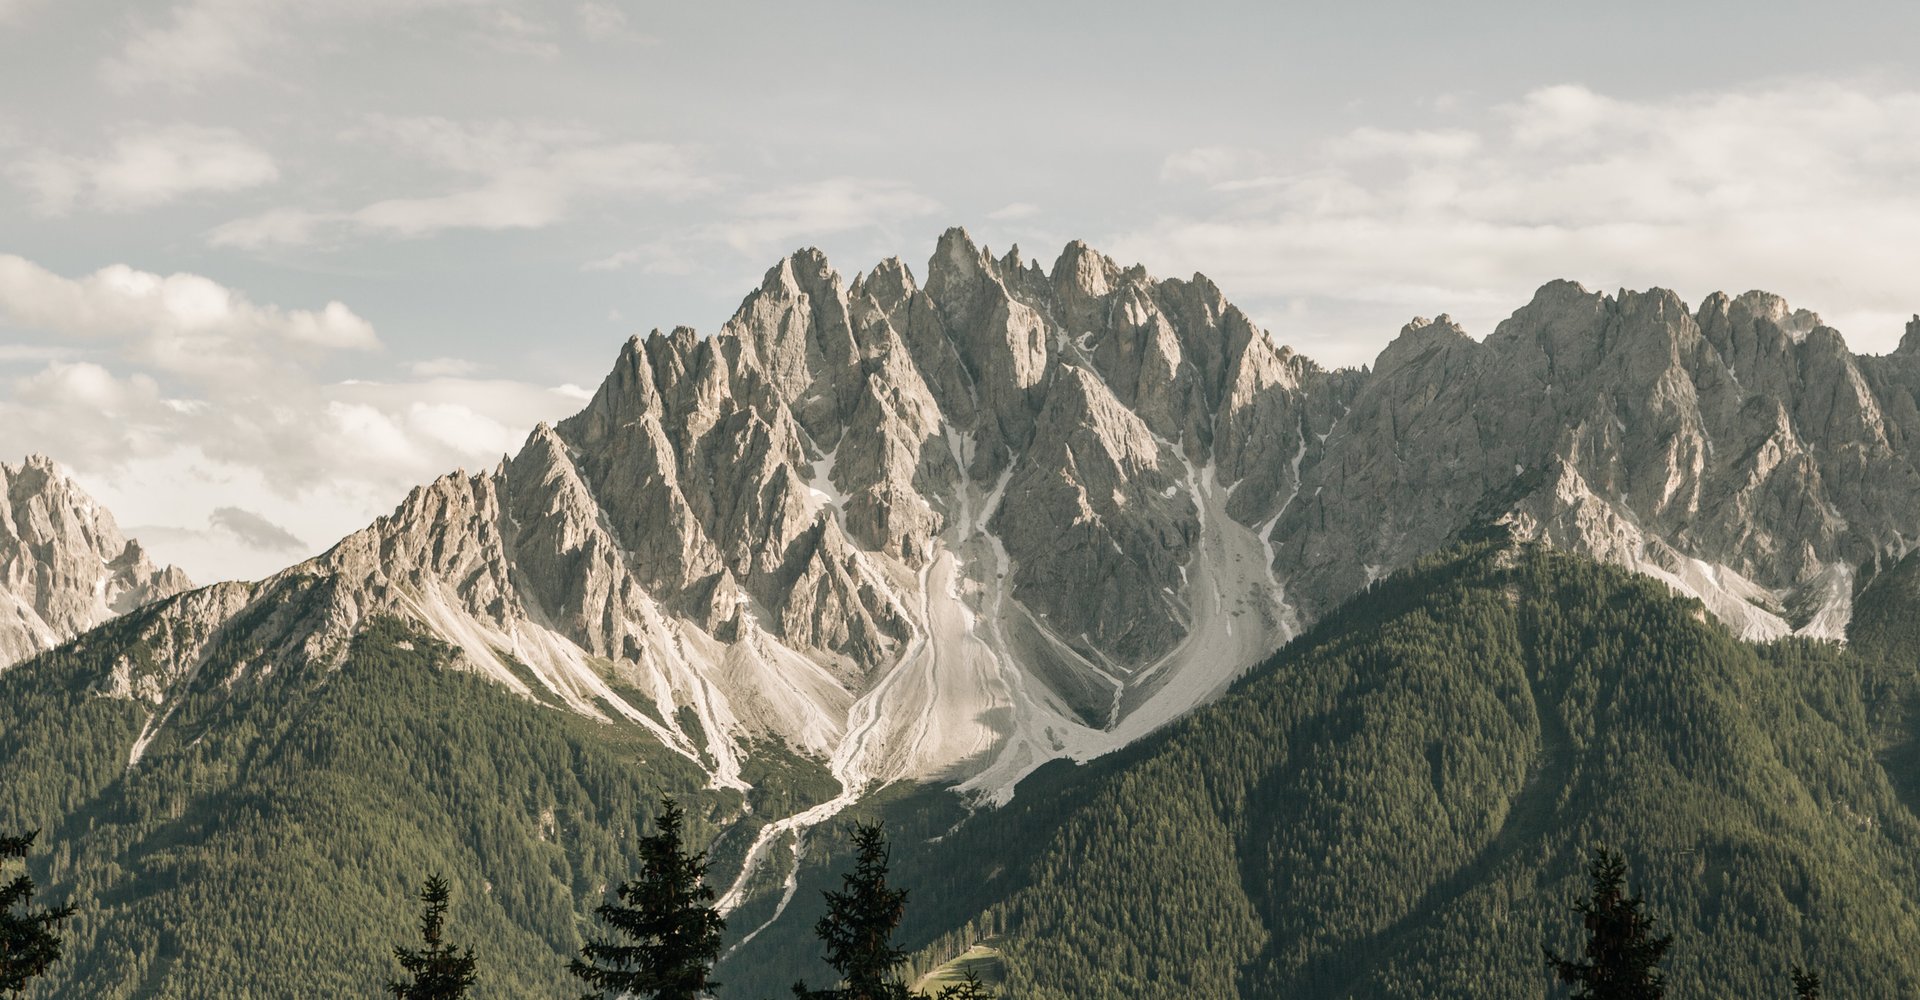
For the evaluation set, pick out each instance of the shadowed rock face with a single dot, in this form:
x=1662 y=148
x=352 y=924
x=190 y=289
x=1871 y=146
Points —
x=64 y=566
x=1021 y=513
x=1738 y=450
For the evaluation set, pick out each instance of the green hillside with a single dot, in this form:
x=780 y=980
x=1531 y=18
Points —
x=1397 y=804
x=268 y=842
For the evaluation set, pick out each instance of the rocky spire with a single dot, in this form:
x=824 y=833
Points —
x=64 y=566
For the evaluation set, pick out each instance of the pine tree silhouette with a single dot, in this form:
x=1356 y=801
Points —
x=28 y=944
x=1621 y=948
x=858 y=927
x=668 y=912
x=439 y=971
x=1806 y=985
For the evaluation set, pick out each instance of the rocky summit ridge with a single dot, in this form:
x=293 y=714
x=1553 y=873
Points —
x=64 y=566
x=951 y=530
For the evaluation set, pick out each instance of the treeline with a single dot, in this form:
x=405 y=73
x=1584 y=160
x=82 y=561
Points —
x=1394 y=806
x=666 y=934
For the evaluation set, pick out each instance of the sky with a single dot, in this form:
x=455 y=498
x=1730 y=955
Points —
x=265 y=264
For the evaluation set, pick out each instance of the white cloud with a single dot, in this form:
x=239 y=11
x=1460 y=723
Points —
x=145 y=167
x=195 y=43
x=254 y=530
x=769 y=220
x=601 y=18
x=314 y=459
x=773 y=221
x=514 y=34
x=1014 y=212
x=441 y=367
x=508 y=175
x=180 y=323
x=1797 y=188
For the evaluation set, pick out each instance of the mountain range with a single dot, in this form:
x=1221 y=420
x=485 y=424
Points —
x=886 y=532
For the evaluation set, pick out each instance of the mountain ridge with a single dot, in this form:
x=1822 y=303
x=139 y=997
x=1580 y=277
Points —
x=951 y=531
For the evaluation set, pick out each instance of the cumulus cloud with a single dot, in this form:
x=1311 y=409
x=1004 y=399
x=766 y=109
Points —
x=144 y=167
x=1797 y=188
x=191 y=398
x=316 y=459
x=504 y=175
x=181 y=323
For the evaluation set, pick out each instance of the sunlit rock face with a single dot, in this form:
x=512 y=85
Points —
x=954 y=529
x=64 y=566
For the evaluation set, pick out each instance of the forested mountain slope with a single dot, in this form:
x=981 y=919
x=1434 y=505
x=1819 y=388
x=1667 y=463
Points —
x=266 y=841
x=1397 y=805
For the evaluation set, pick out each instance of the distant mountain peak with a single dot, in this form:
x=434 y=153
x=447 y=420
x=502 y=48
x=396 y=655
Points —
x=64 y=565
x=956 y=529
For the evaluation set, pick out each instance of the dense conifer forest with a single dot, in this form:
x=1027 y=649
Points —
x=1402 y=803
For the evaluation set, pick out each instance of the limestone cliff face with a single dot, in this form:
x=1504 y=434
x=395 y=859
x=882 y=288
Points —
x=1021 y=512
x=64 y=566
x=1737 y=450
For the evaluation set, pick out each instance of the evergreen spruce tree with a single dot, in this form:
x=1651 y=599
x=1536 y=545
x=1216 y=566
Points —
x=1621 y=949
x=439 y=971
x=858 y=927
x=969 y=988
x=668 y=913
x=28 y=944
x=1806 y=985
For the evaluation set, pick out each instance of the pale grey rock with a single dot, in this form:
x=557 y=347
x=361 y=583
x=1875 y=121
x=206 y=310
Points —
x=955 y=530
x=64 y=565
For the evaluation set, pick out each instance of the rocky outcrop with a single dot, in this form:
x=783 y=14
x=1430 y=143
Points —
x=1737 y=450
x=64 y=566
x=956 y=530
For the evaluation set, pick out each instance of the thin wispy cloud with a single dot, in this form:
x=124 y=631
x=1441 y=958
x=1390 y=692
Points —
x=770 y=222
x=503 y=175
x=144 y=167
x=255 y=531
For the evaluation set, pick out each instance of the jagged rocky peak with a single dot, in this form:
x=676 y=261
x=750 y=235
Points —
x=954 y=528
x=1738 y=451
x=64 y=566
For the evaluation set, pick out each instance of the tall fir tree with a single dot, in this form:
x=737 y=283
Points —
x=668 y=914
x=859 y=924
x=28 y=943
x=438 y=971
x=1622 y=951
x=1806 y=984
